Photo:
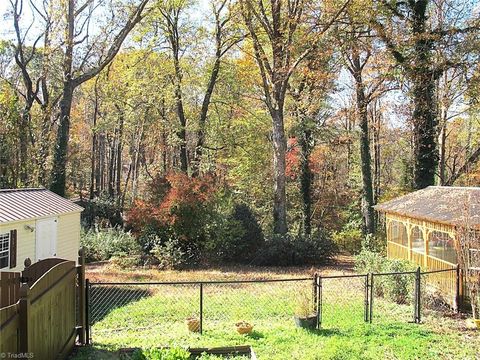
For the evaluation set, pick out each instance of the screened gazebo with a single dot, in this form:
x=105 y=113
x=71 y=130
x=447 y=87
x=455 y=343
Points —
x=422 y=227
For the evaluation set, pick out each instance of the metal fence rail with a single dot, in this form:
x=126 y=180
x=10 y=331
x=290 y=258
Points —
x=343 y=300
x=337 y=301
x=163 y=306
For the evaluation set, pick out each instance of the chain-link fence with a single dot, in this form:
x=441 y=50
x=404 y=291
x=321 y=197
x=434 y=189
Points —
x=132 y=310
x=393 y=297
x=128 y=309
x=409 y=296
x=256 y=302
x=343 y=300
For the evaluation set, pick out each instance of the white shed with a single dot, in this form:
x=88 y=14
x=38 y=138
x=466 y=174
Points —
x=37 y=224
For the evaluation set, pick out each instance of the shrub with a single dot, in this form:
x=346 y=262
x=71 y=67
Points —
x=376 y=243
x=252 y=238
x=177 y=207
x=126 y=261
x=296 y=250
x=102 y=210
x=104 y=244
x=173 y=254
x=235 y=236
x=162 y=354
x=349 y=239
x=369 y=261
x=197 y=215
x=151 y=236
x=399 y=287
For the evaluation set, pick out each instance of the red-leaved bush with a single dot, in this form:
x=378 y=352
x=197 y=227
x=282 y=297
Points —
x=175 y=201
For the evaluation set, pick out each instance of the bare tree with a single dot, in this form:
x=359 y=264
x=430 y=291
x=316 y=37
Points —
x=411 y=37
x=468 y=250
x=225 y=39
x=84 y=59
x=273 y=27
x=34 y=89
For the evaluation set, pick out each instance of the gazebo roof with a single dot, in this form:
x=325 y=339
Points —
x=455 y=206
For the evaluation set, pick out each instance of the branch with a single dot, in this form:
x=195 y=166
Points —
x=472 y=159
x=313 y=46
x=391 y=46
x=134 y=19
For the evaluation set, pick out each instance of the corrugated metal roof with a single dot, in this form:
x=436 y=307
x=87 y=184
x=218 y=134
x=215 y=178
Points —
x=441 y=204
x=23 y=204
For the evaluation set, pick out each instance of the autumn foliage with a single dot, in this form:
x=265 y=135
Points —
x=175 y=201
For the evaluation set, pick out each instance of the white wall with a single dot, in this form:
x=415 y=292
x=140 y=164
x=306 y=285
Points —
x=68 y=239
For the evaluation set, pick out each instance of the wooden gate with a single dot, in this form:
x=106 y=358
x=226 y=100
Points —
x=44 y=321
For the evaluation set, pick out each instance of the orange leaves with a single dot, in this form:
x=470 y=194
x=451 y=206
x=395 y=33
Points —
x=172 y=198
x=292 y=158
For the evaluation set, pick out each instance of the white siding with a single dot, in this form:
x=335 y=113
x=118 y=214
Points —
x=68 y=236
x=68 y=239
x=25 y=242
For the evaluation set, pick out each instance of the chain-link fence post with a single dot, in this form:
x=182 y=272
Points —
x=417 y=296
x=366 y=298
x=371 y=297
x=319 y=302
x=87 y=312
x=457 y=289
x=201 y=308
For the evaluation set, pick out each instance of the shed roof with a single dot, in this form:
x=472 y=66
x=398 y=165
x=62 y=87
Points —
x=439 y=204
x=24 y=204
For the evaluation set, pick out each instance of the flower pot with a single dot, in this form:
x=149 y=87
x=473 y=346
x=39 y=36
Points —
x=244 y=327
x=308 y=322
x=193 y=324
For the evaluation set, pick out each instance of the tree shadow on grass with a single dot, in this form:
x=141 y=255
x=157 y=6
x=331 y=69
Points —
x=104 y=299
x=326 y=332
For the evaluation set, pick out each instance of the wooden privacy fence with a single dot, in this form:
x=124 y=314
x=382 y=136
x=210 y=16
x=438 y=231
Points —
x=44 y=321
x=9 y=288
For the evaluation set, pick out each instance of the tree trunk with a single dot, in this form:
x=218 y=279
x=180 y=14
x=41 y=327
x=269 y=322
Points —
x=376 y=117
x=94 y=168
x=424 y=113
x=100 y=176
x=111 y=166
x=306 y=178
x=23 y=140
x=63 y=132
x=44 y=149
x=203 y=118
x=279 y=167
x=119 y=158
x=442 y=164
x=182 y=132
x=61 y=146
x=365 y=156
x=425 y=132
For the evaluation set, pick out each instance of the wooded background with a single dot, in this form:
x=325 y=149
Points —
x=308 y=111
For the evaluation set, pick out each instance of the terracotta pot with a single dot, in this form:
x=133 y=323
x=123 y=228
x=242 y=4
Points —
x=193 y=324
x=244 y=327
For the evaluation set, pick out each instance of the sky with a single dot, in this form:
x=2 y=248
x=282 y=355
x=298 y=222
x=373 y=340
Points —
x=197 y=14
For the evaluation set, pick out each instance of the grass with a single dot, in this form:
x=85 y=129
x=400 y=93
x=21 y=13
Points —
x=156 y=318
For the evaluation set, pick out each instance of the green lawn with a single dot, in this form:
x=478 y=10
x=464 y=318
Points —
x=158 y=320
